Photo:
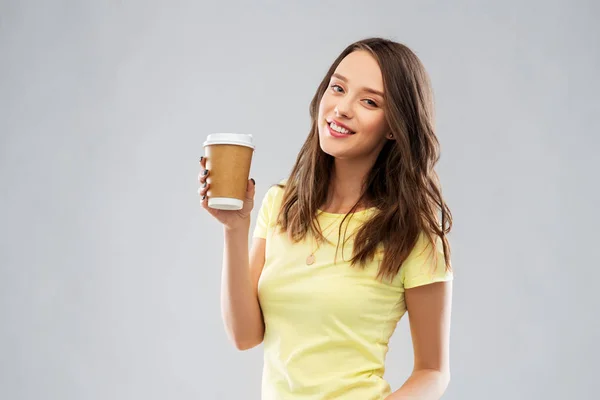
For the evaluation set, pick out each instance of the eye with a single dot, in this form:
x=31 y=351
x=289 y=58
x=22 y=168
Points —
x=335 y=88
x=370 y=102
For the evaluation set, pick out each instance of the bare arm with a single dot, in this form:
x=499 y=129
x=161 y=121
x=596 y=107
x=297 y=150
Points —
x=239 y=284
x=239 y=288
x=429 y=308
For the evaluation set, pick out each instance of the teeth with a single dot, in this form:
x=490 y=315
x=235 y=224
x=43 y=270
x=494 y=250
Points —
x=339 y=128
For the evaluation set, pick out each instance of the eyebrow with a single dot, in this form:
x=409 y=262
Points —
x=366 y=89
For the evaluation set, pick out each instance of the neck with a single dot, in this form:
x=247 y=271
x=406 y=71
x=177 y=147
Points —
x=346 y=185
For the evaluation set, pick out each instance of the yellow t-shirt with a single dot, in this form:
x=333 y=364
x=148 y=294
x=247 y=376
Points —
x=327 y=325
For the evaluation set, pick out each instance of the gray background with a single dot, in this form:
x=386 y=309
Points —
x=110 y=270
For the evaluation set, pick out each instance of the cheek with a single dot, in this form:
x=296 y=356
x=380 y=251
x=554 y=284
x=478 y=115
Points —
x=324 y=106
x=321 y=108
x=321 y=114
x=375 y=124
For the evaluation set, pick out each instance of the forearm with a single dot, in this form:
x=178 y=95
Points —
x=239 y=301
x=425 y=384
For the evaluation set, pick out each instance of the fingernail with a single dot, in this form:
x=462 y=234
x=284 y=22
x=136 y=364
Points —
x=205 y=172
x=253 y=181
x=203 y=186
x=203 y=197
x=201 y=158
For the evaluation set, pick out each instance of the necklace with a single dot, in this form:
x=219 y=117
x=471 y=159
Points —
x=310 y=260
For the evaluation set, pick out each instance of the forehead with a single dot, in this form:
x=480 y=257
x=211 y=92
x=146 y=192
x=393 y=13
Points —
x=361 y=69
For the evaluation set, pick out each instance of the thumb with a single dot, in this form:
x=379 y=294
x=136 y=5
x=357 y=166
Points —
x=250 y=189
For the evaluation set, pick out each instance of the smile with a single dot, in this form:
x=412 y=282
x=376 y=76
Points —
x=337 y=130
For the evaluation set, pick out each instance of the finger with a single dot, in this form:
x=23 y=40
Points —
x=204 y=204
x=202 y=190
x=203 y=200
x=203 y=162
x=203 y=175
x=250 y=189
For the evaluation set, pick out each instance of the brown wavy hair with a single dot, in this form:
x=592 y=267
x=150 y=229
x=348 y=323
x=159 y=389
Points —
x=402 y=185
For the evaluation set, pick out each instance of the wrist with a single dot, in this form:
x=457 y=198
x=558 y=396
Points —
x=242 y=226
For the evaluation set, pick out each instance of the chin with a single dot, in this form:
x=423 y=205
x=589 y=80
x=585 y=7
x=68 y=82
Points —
x=332 y=146
x=334 y=149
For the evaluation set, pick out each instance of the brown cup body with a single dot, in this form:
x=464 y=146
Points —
x=229 y=166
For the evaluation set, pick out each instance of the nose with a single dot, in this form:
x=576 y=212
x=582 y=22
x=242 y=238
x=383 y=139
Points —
x=343 y=108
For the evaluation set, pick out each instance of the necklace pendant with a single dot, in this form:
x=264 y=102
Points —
x=310 y=260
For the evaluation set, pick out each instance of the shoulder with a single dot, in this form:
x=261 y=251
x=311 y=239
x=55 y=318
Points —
x=425 y=263
x=275 y=191
x=272 y=199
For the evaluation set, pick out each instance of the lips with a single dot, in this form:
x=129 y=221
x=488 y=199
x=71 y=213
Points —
x=339 y=128
x=336 y=134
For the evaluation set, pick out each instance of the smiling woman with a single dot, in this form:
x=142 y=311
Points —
x=325 y=301
x=353 y=104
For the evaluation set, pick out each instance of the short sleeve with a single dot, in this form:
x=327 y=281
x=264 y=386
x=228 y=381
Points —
x=266 y=213
x=425 y=264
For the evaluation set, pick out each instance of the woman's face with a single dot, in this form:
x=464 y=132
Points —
x=351 y=118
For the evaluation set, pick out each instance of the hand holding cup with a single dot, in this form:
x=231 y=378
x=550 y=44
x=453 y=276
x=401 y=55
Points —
x=225 y=190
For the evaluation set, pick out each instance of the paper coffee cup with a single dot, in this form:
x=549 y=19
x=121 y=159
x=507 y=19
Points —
x=228 y=158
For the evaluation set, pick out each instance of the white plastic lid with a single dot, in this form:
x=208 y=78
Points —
x=225 y=203
x=240 y=139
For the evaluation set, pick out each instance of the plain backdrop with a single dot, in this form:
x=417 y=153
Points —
x=110 y=270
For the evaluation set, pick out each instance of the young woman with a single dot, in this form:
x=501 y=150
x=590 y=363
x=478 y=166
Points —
x=353 y=239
